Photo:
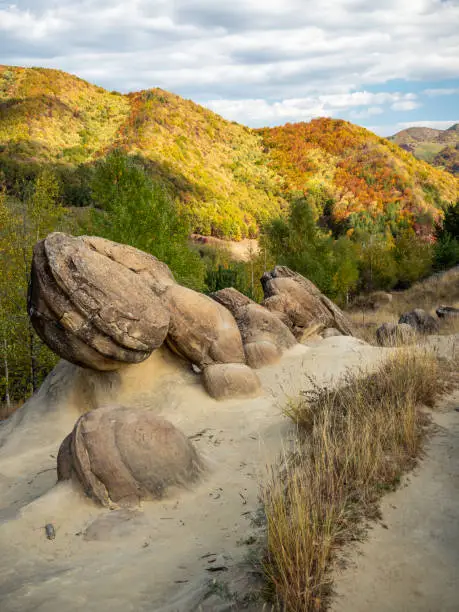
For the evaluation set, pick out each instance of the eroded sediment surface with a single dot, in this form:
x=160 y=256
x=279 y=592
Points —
x=156 y=557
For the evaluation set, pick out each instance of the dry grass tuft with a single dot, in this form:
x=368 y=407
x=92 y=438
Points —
x=437 y=290
x=354 y=443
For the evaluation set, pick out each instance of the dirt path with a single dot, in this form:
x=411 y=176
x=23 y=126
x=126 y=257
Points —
x=410 y=562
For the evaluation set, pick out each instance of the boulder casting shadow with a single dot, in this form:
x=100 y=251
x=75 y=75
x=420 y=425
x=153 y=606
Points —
x=106 y=307
x=121 y=456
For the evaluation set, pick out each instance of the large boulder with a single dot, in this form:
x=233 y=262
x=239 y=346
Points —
x=90 y=309
x=121 y=456
x=230 y=380
x=100 y=305
x=300 y=304
x=393 y=334
x=206 y=334
x=154 y=272
x=201 y=330
x=264 y=335
x=421 y=321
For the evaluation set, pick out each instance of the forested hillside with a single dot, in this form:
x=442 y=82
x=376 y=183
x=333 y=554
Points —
x=216 y=168
x=228 y=179
x=438 y=147
x=369 y=182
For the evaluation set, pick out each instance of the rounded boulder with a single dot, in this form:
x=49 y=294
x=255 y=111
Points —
x=121 y=456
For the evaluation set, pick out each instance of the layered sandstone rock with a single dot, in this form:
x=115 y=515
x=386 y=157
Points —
x=264 y=335
x=100 y=305
x=90 y=309
x=206 y=334
x=230 y=380
x=201 y=330
x=300 y=304
x=121 y=456
x=152 y=271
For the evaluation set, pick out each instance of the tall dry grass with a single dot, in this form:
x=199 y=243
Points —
x=429 y=294
x=354 y=443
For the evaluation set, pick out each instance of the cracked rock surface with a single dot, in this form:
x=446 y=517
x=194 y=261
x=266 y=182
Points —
x=264 y=335
x=89 y=308
x=121 y=456
x=300 y=304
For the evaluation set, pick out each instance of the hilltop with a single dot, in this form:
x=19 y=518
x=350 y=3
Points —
x=438 y=147
x=370 y=179
x=228 y=177
x=217 y=168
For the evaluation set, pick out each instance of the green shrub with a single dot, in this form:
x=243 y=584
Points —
x=131 y=209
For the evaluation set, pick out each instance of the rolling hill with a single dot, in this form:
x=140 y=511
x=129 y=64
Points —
x=438 y=147
x=230 y=178
x=369 y=178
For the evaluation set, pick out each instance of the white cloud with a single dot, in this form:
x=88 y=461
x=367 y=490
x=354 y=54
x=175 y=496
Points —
x=405 y=105
x=261 y=112
x=367 y=112
x=441 y=92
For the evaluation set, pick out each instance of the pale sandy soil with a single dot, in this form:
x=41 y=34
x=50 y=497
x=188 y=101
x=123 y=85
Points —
x=157 y=558
x=240 y=251
x=410 y=562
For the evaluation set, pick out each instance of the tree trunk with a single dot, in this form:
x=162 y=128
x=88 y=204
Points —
x=7 y=374
x=33 y=360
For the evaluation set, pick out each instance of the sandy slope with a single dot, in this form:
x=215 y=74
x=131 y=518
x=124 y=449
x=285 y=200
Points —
x=410 y=561
x=157 y=558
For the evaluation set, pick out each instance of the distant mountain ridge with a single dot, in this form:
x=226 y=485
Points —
x=229 y=178
x=438 y=147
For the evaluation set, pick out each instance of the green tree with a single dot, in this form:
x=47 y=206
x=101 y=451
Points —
x=451 y=221
x=346 y=274
x=446 y=250
x=299 y=243
x=378 y=268
x=413 y=257
x=222 y=270
x=26 y=359
x=8 y=296
x=131 y=209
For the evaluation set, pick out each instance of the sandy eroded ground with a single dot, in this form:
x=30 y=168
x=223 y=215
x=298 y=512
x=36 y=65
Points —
x=410 y=562
x=157 y=558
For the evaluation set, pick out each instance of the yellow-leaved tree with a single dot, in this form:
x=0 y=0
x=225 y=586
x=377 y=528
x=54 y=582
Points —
x=23 y=222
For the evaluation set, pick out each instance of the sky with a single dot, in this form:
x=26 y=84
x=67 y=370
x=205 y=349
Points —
x=383 y=64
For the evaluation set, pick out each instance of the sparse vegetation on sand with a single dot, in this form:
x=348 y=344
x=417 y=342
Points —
x=429 y=294
x=354 y=443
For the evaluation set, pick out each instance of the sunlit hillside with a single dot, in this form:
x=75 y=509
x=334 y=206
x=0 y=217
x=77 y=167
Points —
x=367 y=177
x=217 y=168
x=438 y=147
x=229 y=178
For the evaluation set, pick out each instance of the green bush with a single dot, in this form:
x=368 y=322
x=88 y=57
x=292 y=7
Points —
x=413 y=257
x=131 y=209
